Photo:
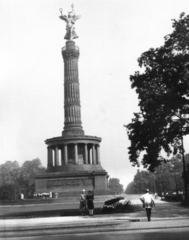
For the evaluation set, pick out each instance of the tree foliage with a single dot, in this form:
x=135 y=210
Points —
x=15 y=179
x=27 y=177
x=9 y=179
x=166 y=178
x=163 y=92
x=115 y=186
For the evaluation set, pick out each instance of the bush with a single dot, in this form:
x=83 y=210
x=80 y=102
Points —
x=173 y=197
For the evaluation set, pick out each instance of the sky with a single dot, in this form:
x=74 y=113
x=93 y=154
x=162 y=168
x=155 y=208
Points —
x=112 y=36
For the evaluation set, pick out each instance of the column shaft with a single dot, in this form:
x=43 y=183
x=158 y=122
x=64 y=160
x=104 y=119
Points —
x=89 y=155
x=86 y=154
x=50 y=157
x=62 y=156
x=56 y=157
x=93 y=155
x=76 y=153
x=98 y=154
x=65 y=154
x=71 y=85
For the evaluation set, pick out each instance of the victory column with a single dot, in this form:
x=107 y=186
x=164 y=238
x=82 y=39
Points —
x=73 y=160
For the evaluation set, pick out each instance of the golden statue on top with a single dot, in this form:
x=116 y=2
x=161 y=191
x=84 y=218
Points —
x=70 y=20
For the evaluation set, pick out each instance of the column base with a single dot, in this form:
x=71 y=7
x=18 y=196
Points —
x=73 y=131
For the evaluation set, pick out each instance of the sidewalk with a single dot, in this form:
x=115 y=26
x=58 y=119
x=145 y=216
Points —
x=165 y=215
x=78 y=225
x=176 y=217
x=155 y=224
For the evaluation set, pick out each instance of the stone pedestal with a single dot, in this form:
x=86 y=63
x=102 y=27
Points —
x=71 y=184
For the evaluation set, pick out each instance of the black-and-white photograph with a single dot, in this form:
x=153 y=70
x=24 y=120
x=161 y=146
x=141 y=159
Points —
x=94 y=119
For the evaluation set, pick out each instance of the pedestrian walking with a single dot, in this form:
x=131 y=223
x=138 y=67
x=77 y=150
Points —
x=148 y=203
x=90 y=203
x=82 y=200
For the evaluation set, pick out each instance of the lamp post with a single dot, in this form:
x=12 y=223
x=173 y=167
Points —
x=173 y=170
x=183 y=157
x=184 y=169
x=183 y=163
x=154 y=183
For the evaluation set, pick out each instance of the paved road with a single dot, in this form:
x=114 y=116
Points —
x=166 y=234
x=165 y=216
x=155 y=234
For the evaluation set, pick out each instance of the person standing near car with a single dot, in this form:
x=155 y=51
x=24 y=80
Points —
x=82 y=200
x=148 y=203
x=90 y=203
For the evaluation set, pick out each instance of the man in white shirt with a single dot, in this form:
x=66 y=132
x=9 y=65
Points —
x=148 y=203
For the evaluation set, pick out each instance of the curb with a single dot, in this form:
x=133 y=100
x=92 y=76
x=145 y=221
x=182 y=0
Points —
x=110 y=226
x=87 y=229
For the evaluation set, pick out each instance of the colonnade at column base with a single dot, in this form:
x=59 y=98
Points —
x=73 y=164
x=73 y=150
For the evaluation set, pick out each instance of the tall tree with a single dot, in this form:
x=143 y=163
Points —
x=15 y=179
x=115 y=186
x=27 y=177
x=167 y=177
x=163 y=92
x=130 y=189
x=9 y=180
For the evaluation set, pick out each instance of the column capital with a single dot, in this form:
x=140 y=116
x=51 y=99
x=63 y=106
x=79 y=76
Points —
x=67 y=55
